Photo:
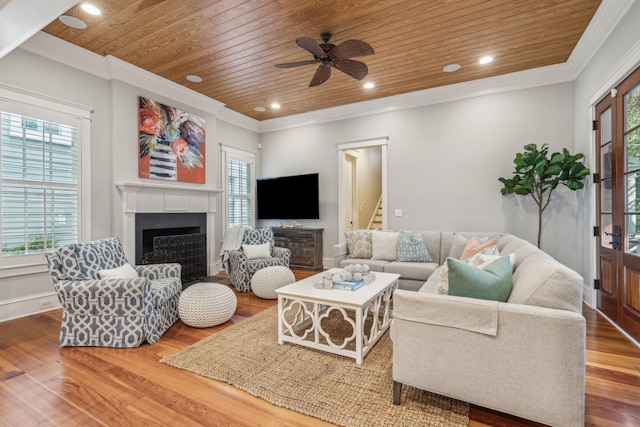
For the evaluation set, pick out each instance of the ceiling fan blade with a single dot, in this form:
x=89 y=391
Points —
x=296 y=64
x=356 y=69
x=351 y=49
x=322 y=75
x=310 y=45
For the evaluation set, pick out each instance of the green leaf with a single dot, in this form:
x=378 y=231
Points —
x=557 y=158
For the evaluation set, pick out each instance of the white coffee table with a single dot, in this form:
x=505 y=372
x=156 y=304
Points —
x=302 y=308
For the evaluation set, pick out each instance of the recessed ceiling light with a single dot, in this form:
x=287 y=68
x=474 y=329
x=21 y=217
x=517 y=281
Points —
x=260 y=109
x=91 y=9
x=194 y=79
x=369 y=85
x=73 y=22
x=451 y=68
x=486 y=59
x=275 y=105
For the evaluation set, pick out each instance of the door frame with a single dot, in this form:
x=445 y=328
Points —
x=351 y=156
x=342 y=148
x=617 y=73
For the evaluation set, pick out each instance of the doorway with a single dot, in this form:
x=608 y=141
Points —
x=617 y=128
x=362 y=183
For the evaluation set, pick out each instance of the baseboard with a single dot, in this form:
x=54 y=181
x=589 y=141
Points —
x=27 y=306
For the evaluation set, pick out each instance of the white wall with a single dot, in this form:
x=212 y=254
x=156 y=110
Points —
x=36 y=74
x=444 y=162
x=113 y=153
x=618 y=56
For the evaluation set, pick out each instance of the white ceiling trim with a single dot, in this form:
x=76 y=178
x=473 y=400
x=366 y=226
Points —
x=606 y=18
x=21 y=19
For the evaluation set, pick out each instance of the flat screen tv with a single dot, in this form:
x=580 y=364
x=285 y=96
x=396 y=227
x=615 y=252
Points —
x=288 y=197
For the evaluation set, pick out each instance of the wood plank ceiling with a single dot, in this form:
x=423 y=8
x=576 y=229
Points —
x=234 y=44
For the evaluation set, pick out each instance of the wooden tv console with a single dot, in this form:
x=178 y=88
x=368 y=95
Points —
x=305 y=245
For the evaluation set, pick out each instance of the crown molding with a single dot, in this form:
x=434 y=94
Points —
x=238 y=119
x=24 y=18
x=605 y=20
x=128 y=73
x=111 y=68
x=66 y=53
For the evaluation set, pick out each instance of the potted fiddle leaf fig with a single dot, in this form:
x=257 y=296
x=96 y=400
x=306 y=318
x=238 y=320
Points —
x=538 y=174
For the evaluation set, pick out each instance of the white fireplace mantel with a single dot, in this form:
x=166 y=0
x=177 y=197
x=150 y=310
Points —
x=142 y=197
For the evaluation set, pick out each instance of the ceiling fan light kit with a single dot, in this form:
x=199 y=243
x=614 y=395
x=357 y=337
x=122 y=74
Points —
x=328 y=55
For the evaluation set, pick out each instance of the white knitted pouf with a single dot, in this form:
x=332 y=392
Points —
x=265 y=281
x=206 y=304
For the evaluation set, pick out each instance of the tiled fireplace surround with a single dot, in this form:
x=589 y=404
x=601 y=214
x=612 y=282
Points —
x=165 y=198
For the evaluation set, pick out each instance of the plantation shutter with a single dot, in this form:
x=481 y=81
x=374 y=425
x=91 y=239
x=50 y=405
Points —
x=240 y=192
x=39 y=179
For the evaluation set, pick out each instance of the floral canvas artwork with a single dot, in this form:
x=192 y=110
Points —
x=171 y=143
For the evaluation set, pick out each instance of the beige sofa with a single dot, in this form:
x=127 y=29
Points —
x=524 y=357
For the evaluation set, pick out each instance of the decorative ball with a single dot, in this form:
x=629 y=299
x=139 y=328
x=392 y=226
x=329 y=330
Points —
x=357 y=276
x=365 y=268
x=336 y=278
x=327 y=275
x=328 y=284
x=319 y=284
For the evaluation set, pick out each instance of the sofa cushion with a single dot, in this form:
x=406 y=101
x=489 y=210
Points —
x=411 y=270
x=493 y=282
x=385 y=245
x=359 y=244
x=541 y=280
x=412 y=249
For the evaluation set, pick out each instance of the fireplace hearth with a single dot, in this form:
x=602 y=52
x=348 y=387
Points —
x=173 y=237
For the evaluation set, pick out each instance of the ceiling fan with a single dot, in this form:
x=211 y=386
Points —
x=329 y=55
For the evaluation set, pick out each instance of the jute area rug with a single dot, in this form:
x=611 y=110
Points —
x=326 y=386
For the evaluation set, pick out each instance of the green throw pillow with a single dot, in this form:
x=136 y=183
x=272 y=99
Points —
x=494 y=282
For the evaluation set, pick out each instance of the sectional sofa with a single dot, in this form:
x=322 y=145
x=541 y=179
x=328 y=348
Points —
x=524 y=356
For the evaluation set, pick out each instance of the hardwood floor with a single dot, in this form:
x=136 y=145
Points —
x=42 y=384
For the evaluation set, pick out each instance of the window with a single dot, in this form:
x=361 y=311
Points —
x=239 y=186
x=40 y=180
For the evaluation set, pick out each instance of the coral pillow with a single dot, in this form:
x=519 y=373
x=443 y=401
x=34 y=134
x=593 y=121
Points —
x=475 y=246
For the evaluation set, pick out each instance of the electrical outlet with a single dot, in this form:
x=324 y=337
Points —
x=398 y=212
x=47 y=303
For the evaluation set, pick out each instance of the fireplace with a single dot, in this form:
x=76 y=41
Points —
x=166 y=198
x=173 y=237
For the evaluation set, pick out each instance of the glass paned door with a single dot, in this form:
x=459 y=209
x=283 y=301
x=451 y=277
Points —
x=618 y=202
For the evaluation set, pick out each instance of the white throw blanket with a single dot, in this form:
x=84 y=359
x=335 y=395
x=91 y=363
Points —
x=232 y=241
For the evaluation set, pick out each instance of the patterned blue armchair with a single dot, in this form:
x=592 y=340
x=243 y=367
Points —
x=112 y=312
x=243 y=268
